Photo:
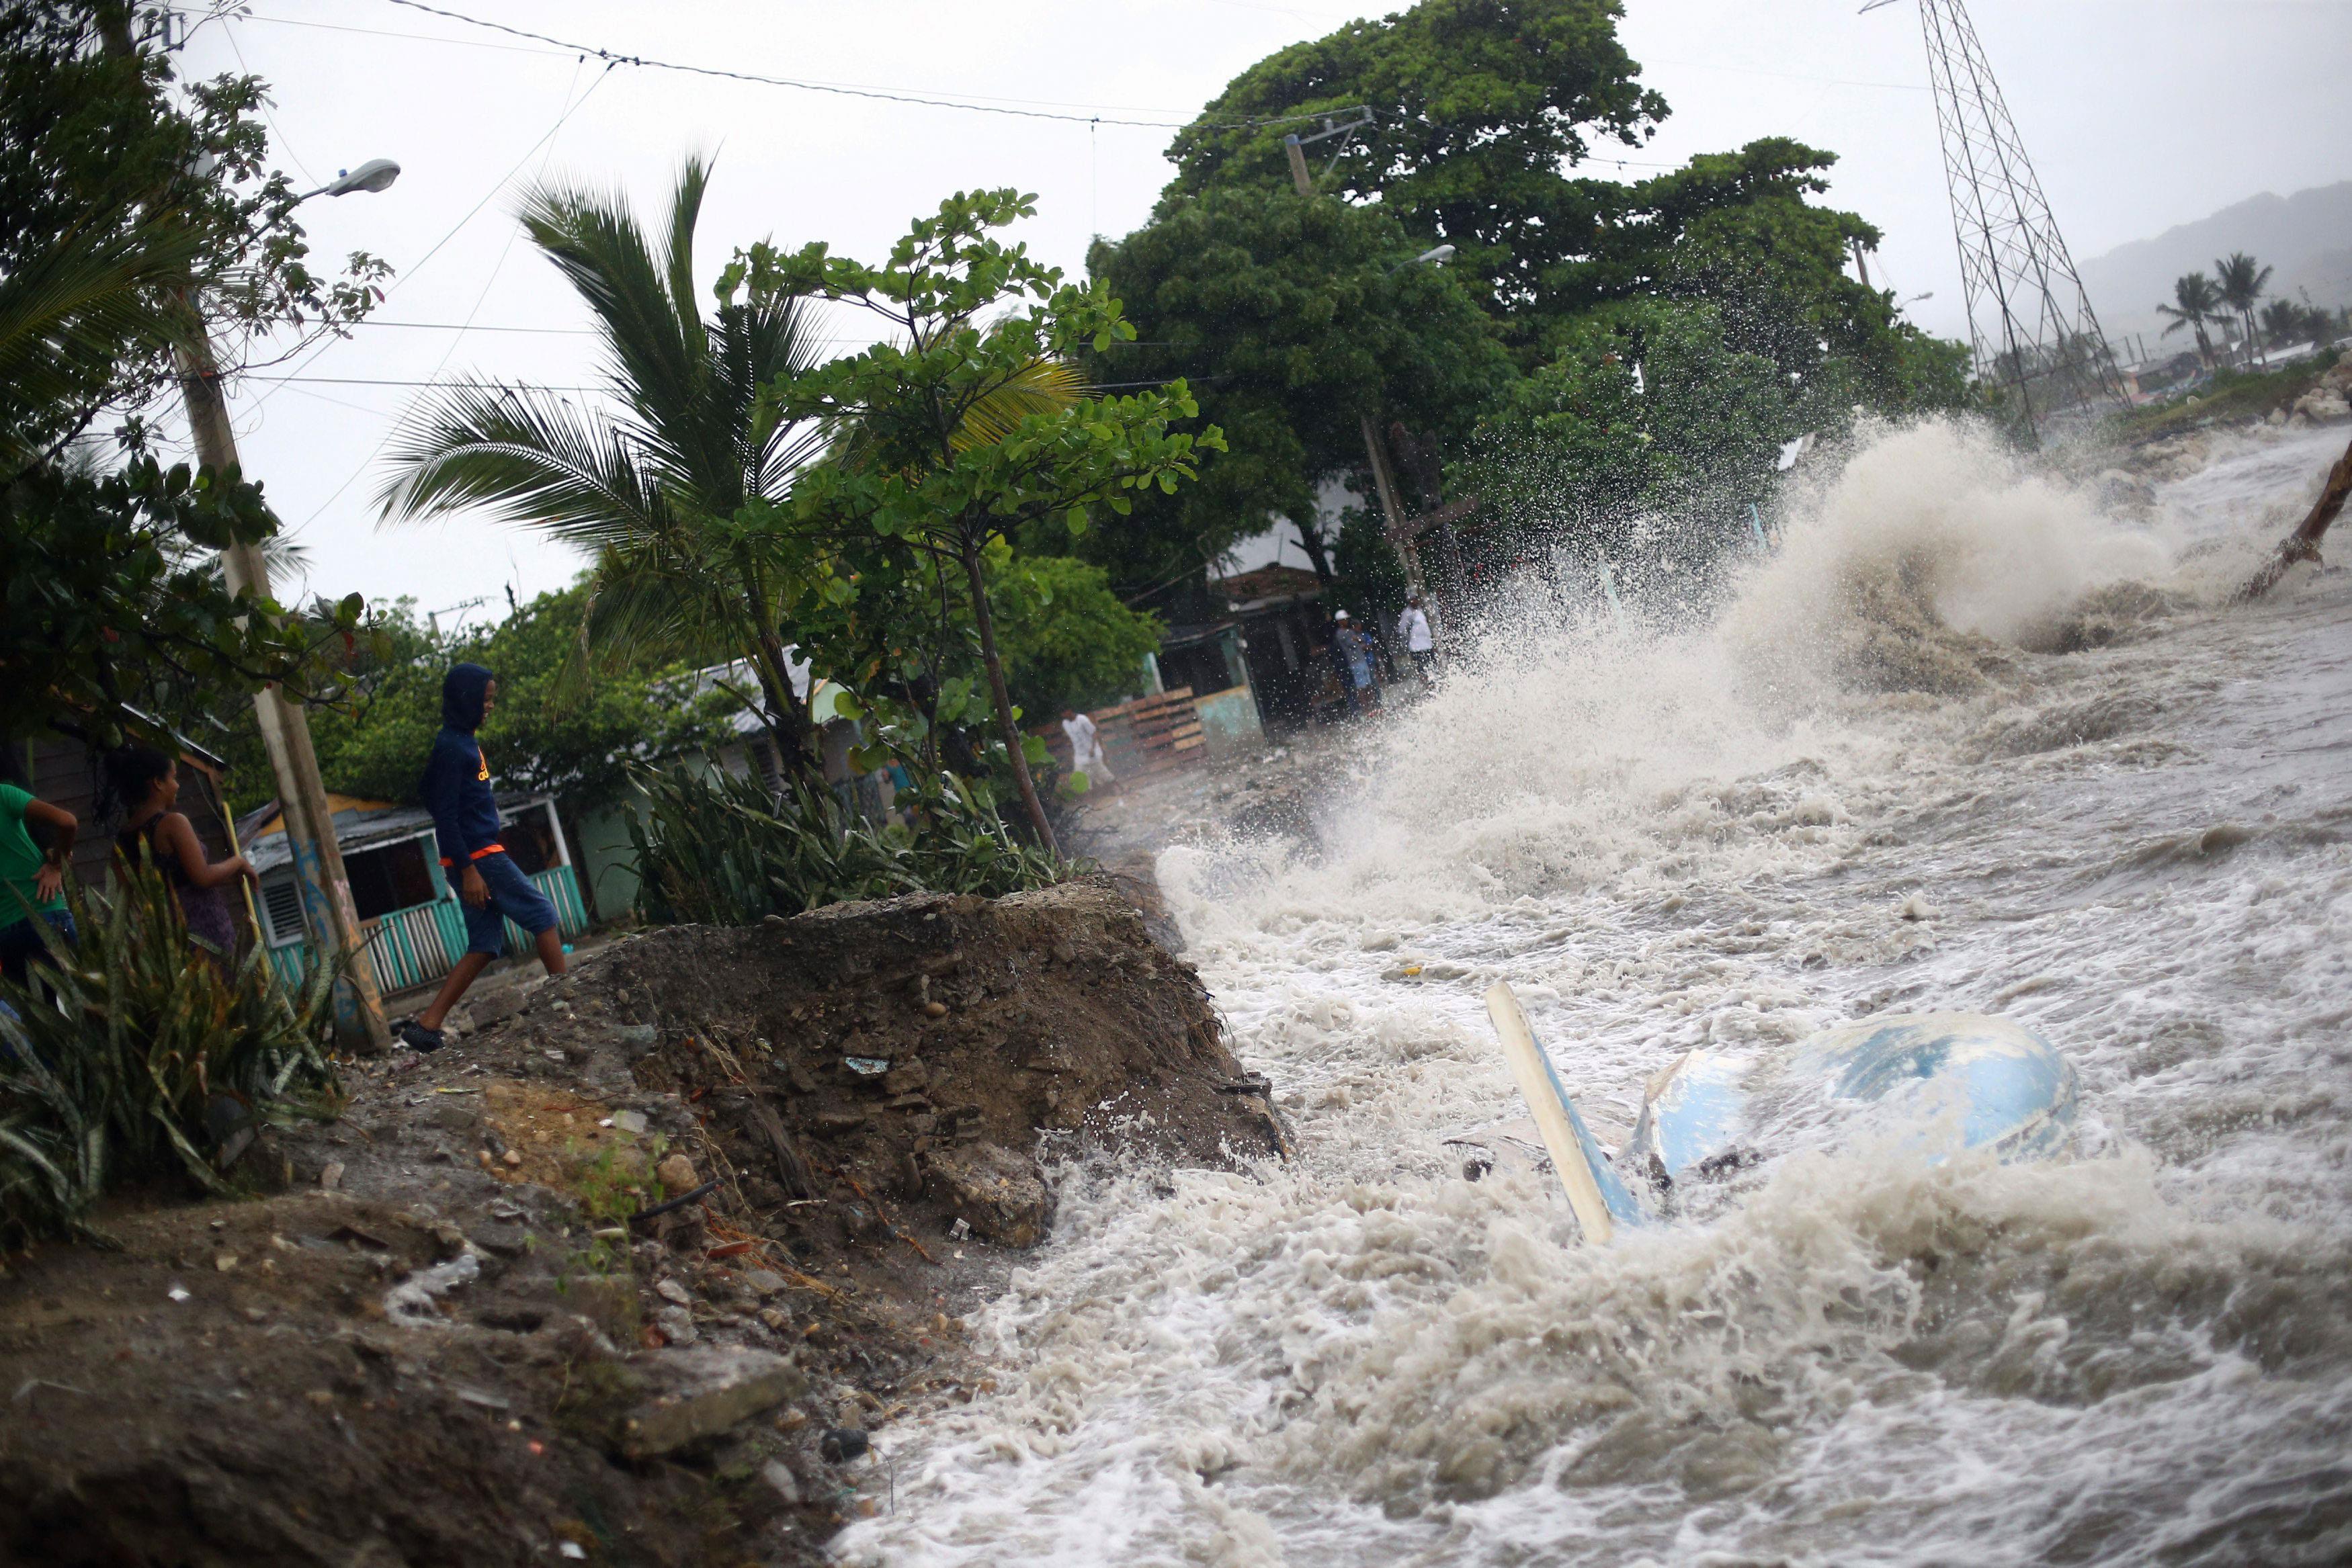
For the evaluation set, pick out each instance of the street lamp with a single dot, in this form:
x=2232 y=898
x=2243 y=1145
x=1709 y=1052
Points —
x=302 y=803
x=375 y=174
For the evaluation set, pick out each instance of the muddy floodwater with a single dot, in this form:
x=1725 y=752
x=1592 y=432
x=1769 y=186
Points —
x=1966 y=741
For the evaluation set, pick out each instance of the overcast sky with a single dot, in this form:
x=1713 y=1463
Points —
x=2139 y=114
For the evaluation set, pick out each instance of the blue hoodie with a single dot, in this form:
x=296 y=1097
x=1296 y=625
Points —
x=456 y=783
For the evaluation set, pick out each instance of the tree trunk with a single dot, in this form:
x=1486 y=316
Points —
x=1005 y=723
x=2304 y=543
x=788 y=720
x=1310 y=540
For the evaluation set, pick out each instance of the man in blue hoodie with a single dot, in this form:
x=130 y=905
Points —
x=457 y=790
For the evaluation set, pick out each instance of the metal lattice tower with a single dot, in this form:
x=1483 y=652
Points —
x=2034 y=331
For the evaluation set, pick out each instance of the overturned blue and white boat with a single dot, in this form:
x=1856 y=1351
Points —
x=1946 y=1082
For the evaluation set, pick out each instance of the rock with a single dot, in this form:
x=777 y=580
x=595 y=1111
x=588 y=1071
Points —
x=677 y=1325
x=635 y=1040
x=630 y=1121
x=513 y=1158
x=776 y=1318
x=671 y=1290
x=779 y=1475
x=700 y=1394
x=676 y=1174
x=2277 y=416
x=764 y=1281
x=330 y=1175
x=1001 y=1194
x=839 y=1445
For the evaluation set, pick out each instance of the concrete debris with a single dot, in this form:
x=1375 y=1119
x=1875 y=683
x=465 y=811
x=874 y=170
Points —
x=700 y=1394
x=1001 y=1195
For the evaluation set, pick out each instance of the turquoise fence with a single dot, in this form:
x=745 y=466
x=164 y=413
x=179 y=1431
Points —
x=417 y=946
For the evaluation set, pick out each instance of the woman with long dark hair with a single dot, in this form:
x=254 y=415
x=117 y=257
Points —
x=32 y=879
x=142 y=785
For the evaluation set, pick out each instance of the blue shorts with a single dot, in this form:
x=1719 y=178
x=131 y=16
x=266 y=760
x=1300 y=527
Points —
x=513 y=897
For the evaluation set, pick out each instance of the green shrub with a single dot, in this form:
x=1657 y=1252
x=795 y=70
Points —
x=721 y=851
x=129 y=1057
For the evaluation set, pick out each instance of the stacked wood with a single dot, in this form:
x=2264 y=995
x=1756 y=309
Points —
x=1143 y=736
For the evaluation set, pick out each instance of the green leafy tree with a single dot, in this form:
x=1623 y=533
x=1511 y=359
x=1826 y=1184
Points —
x=655 y=488
x=2285 y=321
x=1650 y=409
x=110 y=164
x=2195 y=301
x=1297 y=317
x=1068 y=640
x=115 y=616
x=1477 y=105
x=952 y=450
x=2242 y=282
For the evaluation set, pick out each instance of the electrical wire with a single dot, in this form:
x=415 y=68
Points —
x=846 y=91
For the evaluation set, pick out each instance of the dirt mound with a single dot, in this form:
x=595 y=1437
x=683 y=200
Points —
x=590 y=1282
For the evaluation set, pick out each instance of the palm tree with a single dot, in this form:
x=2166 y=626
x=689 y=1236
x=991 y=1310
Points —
x=654 y=489
x=2195 y=301
x=2241 y=281
x=70 y=318
x=2283 y=322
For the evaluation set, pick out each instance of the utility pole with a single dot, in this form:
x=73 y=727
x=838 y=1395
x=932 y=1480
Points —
x=1392 y=514
x=285 y=728
x=285 y=735
x=2029 y=316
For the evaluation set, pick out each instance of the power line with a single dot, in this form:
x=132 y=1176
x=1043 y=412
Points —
x=846 y=91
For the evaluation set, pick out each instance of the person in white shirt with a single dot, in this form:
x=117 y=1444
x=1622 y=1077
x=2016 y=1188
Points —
x=1413 y=631
x=1086 y=752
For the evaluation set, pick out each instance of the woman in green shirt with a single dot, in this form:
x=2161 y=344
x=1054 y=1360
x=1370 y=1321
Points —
x=32 y=880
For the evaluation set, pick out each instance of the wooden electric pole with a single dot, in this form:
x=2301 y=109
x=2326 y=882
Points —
x=309 y=824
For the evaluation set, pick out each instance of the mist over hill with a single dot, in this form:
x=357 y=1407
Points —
x=2306 y=237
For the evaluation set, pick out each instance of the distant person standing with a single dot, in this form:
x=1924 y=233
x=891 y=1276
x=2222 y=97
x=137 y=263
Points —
x=1086 y=759
x=1413 y=631
x=1357 y=654
x=143 y=785
x=32 y=879
x=494 y=889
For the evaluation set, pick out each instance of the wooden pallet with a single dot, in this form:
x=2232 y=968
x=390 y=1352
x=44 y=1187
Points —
x=1143 y=736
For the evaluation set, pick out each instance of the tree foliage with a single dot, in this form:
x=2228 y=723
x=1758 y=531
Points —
x=955 y=437
x=1299 y=317
x=1066 y=639
x=106 y=157
x=1477 y=107
x=1482 y=111
x=116 y=614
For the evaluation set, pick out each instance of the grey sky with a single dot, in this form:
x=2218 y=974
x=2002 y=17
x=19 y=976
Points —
x=2139 y=114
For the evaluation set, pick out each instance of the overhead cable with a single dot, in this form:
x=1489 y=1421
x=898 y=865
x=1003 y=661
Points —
x=844 y=91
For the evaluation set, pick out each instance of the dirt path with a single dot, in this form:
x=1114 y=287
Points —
x=455 y=1333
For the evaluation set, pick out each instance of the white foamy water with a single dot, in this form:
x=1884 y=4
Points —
x=2141 y=847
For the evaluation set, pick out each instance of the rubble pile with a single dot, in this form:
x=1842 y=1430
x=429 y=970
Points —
x=635 y=1271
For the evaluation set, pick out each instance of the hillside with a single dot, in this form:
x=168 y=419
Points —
x=2306 y=237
